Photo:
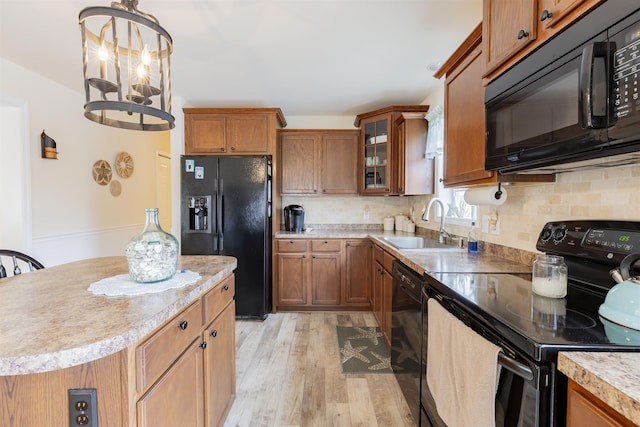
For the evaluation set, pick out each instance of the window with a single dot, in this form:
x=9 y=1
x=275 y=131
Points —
x=458 y=211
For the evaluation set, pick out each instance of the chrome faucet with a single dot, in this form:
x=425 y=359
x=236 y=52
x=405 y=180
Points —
x=425 y=217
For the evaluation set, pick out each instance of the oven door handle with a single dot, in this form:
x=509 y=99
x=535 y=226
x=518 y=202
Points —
x=512 y=365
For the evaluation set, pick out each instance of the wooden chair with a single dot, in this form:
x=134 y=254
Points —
x=14 y=263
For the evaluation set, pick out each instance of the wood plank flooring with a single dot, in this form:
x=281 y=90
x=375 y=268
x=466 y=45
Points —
x=288 y=374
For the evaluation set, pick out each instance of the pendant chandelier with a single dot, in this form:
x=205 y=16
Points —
x=125 y=58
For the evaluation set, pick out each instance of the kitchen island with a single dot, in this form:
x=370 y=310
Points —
x=56 y=335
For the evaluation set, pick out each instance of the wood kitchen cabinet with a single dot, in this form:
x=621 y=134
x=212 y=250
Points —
x=325 y=271
x=220 y=366
x=231 y=131
x=318 y=162
x=585 y=409
x=186 y=385
x=391 y=155
x=513 y=29
x=358 y=272
x=464 y=120
x=383 y=289
x=509 y=26
x=322 y=273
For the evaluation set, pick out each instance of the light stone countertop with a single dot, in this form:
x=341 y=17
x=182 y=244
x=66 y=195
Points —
x=49 y=320
x=435 y=260
x=612 y=377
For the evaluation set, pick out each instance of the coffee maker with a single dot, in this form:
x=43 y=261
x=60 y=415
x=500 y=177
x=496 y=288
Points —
x=294 y=218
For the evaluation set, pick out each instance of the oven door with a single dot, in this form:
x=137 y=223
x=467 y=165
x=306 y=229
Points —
x=524 y=390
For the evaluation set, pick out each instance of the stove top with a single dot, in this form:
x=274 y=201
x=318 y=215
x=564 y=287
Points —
x=537 y=325
x=504 y=303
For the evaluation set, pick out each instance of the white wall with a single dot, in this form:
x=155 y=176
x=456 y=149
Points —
x=72 y=216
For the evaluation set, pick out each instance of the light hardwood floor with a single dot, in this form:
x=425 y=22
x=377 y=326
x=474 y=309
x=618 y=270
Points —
x=288 y=374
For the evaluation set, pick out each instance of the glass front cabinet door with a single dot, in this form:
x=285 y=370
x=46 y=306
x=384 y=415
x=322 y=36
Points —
x=377 y=143
x=392 y=146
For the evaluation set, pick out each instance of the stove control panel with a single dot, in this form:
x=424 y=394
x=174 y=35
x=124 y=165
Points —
x=603 y=241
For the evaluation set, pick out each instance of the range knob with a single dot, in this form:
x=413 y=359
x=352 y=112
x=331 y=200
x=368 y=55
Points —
x=546 y=232
x=559 y=233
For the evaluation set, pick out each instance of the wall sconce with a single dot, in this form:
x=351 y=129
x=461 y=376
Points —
x=125 y=58
x=49 y=150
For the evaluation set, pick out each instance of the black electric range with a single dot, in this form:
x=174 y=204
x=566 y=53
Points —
x=541 y=326
x=530 y=329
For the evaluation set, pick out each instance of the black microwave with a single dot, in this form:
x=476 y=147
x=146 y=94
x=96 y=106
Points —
x=575 y=102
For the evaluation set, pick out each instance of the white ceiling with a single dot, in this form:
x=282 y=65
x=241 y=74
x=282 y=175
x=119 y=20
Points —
x=307 y=57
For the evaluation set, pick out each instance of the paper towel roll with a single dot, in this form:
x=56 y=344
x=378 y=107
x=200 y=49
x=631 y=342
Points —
x=486 y=196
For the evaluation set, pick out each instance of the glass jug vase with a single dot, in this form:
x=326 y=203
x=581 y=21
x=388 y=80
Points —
x=152 y=255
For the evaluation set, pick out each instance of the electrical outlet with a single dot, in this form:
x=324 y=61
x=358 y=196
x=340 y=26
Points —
x=83 y=407
x=365 y=213
x=494 y=225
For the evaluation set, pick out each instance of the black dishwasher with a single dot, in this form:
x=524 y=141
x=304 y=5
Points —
x=406 y=333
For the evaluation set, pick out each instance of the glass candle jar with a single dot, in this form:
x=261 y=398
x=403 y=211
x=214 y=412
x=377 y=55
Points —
x=153 y=254
x=549 y=276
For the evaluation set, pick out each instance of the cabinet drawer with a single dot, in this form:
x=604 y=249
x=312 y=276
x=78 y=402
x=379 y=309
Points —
x=157 y=353
x=292 y=245
x=388 y=261
x=325 y=245
x=378 y=254
x=217 y=299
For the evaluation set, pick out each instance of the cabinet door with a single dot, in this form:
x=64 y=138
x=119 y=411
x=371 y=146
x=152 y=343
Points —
x=378 y=279
x=358 y=274
x=376 y=157
x=177 y=398
x=553 y=12
x=204 y=133
x=292 y=279
x=248 y=133
x=387 y=295
x=299 y=159
x=219 y=366
x=464 y=132
x=339 y=159
x=585 y=409
x=509 y=26
x=325 y=278
x=413 y=172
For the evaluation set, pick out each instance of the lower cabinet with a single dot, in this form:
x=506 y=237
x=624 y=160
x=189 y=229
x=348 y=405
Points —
x=177 y=398
x=585 y=409
x=197 y=386
x=322 y=273
x=382 y=289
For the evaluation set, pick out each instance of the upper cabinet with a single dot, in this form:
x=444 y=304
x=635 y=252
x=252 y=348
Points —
x=514 y=28
x=392 y=151
x=509 y=26
x=231 y=131
x=318 y=162
x=464 y=119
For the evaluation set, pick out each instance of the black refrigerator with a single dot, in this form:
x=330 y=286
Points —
x=226 y=210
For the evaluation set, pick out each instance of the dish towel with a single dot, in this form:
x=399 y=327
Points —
x=462 y=370
x=123 y=285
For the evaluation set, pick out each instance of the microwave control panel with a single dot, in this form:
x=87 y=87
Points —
x=626 y=76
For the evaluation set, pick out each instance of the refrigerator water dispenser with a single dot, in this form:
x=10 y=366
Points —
x=199 y=208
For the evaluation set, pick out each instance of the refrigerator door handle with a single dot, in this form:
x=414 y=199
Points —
x=220 y=209
x=212 y=209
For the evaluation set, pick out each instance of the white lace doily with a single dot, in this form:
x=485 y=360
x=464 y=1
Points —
x=122 y=285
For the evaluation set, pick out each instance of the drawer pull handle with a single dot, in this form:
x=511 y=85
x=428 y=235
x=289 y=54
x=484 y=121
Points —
x=226 y=287
x=214 y=333
x=183 y=325
x=522 y=34
x=203 y=345
x=545 y=15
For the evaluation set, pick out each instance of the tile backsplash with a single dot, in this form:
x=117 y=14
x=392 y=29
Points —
x=607 y=193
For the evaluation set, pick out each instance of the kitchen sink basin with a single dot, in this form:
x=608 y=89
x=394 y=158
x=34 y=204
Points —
x=415 y=242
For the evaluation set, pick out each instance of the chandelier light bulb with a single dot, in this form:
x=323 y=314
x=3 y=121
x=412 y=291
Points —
x=103 y=53
x=145 y=56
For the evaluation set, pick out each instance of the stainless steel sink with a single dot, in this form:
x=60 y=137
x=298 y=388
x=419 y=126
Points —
x=415 y=242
